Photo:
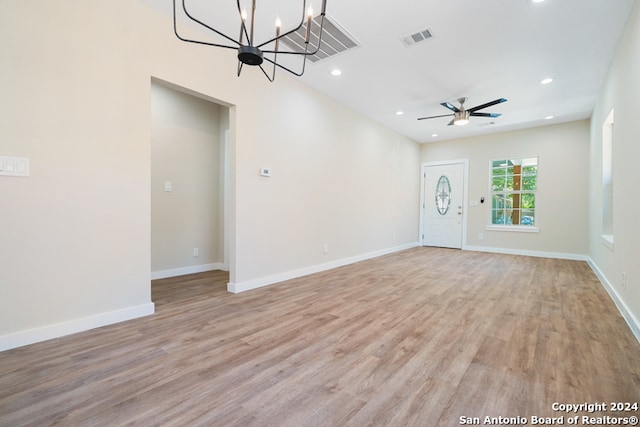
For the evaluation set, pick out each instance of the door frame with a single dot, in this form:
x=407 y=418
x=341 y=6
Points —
x=465 y=196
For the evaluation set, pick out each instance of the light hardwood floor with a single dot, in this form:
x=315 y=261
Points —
x=417 y=338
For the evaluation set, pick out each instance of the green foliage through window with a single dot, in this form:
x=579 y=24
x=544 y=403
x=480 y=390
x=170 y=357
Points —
x=513 y=191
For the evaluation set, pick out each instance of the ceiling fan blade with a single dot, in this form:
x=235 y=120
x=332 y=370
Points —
x=434 y=117
x=451 y=122
x=488 y=104
x=485 y=115
x=450 y=106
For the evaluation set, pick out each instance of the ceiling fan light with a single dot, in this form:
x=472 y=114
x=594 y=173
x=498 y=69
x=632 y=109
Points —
x=461 y=118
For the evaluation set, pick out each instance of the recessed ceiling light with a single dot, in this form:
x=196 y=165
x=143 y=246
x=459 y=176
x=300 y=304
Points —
x=336 y=72
x=546 y=81
x=434 y=135
x=537 y=1
x=549 y=117
x=399 y=113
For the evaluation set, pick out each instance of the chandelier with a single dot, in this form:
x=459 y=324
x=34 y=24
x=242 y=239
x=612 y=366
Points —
x=252 y=53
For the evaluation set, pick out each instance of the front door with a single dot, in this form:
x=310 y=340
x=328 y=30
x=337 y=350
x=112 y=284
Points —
x=442 y=213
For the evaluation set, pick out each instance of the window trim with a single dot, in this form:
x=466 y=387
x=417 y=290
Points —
x=608 y=202
x=516 y=228
x=608 y=241
x=519 y=228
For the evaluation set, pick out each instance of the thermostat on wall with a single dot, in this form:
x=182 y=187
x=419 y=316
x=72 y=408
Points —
x=265 y=171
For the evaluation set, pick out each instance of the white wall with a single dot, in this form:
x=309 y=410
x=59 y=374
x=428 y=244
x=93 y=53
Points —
x=336 y=180
x=186 y=149
x=562 y=197
x=76 y=101
x=621 y=93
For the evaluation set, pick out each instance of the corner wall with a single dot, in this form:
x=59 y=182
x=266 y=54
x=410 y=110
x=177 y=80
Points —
x=620 y=93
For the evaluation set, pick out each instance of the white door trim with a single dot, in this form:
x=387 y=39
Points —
x=465 y=196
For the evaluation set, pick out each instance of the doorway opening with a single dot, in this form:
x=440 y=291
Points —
x=190 y=181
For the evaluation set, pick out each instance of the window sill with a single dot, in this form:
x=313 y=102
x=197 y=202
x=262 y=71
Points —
x=516 y=228
x=607 y=240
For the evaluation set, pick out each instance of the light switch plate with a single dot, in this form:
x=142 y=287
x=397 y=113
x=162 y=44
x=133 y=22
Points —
x=14 y=166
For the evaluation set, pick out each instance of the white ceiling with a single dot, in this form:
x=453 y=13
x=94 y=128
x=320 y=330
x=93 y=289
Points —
x=481 y=49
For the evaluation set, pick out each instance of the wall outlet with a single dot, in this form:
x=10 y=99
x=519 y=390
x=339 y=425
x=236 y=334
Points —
x=196 y=252
x=624 y=281
x=480 y=236
x=325 y=248
x=168 y=186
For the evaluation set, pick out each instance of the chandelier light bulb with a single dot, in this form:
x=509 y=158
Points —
x=309 y=19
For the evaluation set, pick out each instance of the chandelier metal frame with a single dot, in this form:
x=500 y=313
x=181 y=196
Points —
x=250 y=53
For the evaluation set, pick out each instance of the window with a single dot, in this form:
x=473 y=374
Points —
x=513 y=191
x=607 y=181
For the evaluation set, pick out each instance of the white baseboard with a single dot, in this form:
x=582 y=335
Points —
x=276 y=278
x=173 y=272
x=628 y=316
x=538 y=254
x=31 y=336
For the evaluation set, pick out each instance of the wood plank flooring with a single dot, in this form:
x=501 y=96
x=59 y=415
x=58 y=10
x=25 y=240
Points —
x=416 y=338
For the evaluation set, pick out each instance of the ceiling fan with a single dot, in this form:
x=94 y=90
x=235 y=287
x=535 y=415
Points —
x=461 y=115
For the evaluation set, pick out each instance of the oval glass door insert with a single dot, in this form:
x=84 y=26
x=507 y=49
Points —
x=443 y=195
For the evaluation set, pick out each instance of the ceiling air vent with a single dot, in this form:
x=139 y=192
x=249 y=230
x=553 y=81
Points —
x=335 y=39
x=418 y=37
